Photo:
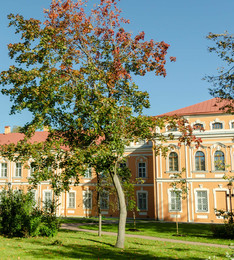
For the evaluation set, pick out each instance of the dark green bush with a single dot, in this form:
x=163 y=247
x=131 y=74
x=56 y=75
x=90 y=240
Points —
x=223 y=231
x=19 y=216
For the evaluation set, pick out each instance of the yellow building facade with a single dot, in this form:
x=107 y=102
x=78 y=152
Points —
x=204 y=167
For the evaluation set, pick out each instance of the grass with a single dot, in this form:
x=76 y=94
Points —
x=70 y=245
x=191 y=232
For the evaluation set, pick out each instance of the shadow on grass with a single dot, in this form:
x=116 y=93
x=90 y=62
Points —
x=92 y=247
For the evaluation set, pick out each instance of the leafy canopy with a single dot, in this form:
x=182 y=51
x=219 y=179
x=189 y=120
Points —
x=73 y=72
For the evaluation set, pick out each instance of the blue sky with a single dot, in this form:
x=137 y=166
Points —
x=183 y=24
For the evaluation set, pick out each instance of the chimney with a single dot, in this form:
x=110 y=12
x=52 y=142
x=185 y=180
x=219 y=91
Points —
x=7 y=130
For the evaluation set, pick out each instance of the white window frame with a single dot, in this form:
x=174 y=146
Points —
x=196 y=200
x=138 y=169
x=91 y=199
x=170 y=202
x=18 y=170
x=1 y=170
x=44 y=192
x=217 y=120
x=68 y=199
x=88 y=173
x=138 y=194
x=106 y=195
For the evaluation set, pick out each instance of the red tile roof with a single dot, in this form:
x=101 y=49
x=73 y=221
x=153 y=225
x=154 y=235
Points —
x=212 y=106
x=15 y=137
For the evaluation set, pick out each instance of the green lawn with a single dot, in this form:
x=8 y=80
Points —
x=82 y=245
x=191 y=232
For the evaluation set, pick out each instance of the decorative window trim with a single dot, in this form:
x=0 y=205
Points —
x=89 y=173
x=15 y=170
x=169 y=201
x=199 y=122
x=68 y=199
x=142 y=159
x=196 y=202
x=217 y=120
x=145 y=192
x=107 y=200
x=7 y=167
x=199 y=150
x=230 y=124
x=51 y=195
x=168 y=161
x=91 y=197
x=224 y=155
x=167 y=127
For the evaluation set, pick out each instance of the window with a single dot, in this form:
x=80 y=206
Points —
x=173 y=162
x=47 y=199
x=18 y=169
x=217 y=126
x=87 y=200
x=122 y=165
x=175 y=201
x=104 y=200
x=200 y=161
x=219 y=161
x=198 y=126
x=142 y=200
x=232 y=125
x=142 y=170
x=202 y=201
x=172 y=128
x=3 y=172
x=71 y=200
x=88 y=173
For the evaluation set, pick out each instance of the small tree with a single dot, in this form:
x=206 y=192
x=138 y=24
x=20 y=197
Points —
x=179 y=187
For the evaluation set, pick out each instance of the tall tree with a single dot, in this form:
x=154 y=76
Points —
x=223 y=83
x=74 y=74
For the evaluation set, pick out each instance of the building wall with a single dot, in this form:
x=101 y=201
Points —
x=153 y=196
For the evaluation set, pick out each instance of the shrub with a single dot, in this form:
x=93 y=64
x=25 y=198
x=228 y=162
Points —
x=19 y=216
x=223 y=231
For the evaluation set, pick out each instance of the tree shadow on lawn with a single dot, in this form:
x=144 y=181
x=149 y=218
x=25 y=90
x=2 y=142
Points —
x=94 y=248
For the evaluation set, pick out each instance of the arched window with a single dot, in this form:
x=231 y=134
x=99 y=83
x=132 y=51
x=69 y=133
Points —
x=219 y=161
x=199 y=161
x=198 y=126
x=217 y=126
x=173 y=161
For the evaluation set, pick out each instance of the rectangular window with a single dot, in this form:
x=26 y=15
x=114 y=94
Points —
x=18 y=169
x=202 y=201
x=71 y=200
x=142 y=170
x=142 y=200
x=104 y=200
x=47 y=198
x=88 y=173
x=3 y=171
x=175 y=201
x=87 y=200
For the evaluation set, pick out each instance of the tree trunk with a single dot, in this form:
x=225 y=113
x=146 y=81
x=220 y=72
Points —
x=177 y=224
x=122 y=211
x=99 y=207
x=100 y=224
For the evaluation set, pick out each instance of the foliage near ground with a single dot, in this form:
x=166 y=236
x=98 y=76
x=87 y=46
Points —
x=20 y=218
x=70 y=245
x=190 y=232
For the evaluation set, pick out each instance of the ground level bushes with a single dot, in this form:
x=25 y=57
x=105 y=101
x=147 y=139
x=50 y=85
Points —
x=223 y=231
x=19 y=216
